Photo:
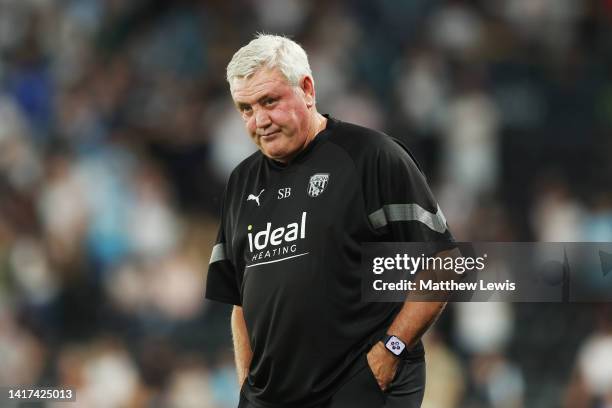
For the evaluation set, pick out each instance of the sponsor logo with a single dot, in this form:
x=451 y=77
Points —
x=317 y=184
x=272 y=242
x=255 y=197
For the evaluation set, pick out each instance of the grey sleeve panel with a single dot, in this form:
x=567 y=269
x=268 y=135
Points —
x=218 y=253
x=408 y=212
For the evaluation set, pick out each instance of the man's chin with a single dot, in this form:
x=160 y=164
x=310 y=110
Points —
x=273 y=150
x=277 y=157
x=275 y=154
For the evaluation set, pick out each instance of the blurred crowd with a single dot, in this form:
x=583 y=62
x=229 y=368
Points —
x=117 y=134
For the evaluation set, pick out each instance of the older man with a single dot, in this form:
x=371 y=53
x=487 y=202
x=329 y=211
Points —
x=288 y=250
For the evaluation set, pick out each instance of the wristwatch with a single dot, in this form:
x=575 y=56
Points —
x=396 y=346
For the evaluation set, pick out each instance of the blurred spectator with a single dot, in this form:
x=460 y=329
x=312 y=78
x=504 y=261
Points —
x=445 y=376
x=423 y=91
x=22 y=356
x=190 y=387
x=63 y=209
x=484 y=331
x=594 y=366
x=153 y=228
x=490 y=332
x=106 y=182
x=457 y=29
x=591 y=384
x=103 y=375
x=358 y=107
x=32 y=272
x=230 y=142
x=19 y=162
x=597 y=224
x=556 y=215
x=471 y=145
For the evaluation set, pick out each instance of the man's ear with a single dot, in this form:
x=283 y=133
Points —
x=307 y=86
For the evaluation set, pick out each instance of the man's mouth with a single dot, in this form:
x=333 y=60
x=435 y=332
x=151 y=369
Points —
x=269 y=136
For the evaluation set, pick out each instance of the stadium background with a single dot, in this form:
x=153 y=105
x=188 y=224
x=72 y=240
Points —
x=117 y=133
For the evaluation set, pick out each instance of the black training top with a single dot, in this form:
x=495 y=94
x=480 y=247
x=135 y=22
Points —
x=288 y=252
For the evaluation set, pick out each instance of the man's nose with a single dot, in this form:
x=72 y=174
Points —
x=262 y=119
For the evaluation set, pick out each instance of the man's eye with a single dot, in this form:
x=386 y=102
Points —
x=269 y=101
x=245 y=109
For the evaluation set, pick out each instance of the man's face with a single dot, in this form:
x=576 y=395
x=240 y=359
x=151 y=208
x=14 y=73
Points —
x=276 y=114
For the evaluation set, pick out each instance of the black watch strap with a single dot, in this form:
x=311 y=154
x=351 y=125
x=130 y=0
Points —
x=395 y=345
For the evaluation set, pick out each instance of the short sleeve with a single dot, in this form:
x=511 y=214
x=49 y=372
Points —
x=222 y=281
x=400 y=204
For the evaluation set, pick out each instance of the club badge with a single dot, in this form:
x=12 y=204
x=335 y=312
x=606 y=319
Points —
x=317 y=184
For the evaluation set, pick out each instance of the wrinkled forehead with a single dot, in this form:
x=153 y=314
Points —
x=264 y=80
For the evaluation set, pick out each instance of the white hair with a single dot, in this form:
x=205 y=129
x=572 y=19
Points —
x=270 y=51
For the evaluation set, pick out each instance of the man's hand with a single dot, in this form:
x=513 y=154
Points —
x=383 y=365
x=242 y=375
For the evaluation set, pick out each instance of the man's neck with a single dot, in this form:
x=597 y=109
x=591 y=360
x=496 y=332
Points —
x=318 y=124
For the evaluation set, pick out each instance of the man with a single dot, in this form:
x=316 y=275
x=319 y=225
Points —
x=288 y=250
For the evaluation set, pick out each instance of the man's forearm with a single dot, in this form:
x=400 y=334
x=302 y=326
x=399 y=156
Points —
x=242 y=348
x=414 y=319
x=417 y=316
x=409 y=325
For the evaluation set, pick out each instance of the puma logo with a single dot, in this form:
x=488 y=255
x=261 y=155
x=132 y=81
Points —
x=255 y=197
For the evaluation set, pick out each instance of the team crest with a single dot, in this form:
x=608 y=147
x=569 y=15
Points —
x=317 y=184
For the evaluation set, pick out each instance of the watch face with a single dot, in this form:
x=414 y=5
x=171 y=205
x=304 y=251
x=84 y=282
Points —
x=395 y=345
